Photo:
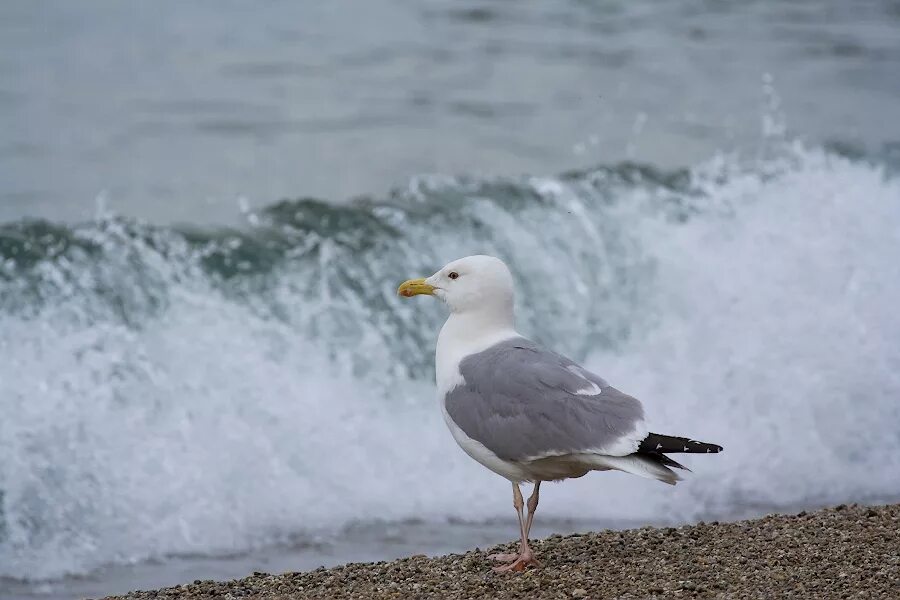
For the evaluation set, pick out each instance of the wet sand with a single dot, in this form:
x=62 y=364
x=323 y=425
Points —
x=841 y=552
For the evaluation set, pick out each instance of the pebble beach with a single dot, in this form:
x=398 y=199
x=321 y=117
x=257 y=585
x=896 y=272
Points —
x=848 y=551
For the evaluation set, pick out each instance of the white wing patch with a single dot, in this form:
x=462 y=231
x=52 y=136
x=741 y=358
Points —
x=590 y=389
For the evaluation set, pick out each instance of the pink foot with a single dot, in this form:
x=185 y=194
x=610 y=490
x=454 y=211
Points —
x=522 y=560
x=504 y=556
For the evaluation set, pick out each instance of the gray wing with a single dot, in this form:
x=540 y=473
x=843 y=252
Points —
x=523 y=402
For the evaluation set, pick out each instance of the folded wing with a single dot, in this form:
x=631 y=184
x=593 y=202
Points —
x=523 y=403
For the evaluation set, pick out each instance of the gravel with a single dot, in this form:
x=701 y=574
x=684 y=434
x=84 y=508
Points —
x=841 y=552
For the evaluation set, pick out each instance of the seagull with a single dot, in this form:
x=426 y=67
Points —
x=526 y=412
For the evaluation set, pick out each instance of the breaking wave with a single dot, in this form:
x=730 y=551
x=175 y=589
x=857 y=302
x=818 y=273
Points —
x=188 y=390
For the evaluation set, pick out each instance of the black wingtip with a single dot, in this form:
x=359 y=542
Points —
x=657 y=443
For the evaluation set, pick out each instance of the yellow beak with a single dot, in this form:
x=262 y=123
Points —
x=414 y=287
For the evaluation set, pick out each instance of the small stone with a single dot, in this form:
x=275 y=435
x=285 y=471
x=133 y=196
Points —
x=579 y=593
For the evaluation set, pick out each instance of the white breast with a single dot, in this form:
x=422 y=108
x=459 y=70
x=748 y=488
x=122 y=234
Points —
x=455 y=342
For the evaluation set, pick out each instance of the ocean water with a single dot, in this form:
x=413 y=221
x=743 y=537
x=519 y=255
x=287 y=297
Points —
x=177 y=112
x=199 y=383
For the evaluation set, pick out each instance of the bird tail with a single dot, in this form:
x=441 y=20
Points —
x=641 y=465
x=650 y=460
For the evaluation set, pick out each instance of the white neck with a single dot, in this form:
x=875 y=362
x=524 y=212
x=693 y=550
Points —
x=467 y=333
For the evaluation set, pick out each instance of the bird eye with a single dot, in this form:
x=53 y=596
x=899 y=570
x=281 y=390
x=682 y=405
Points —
x=453 y=275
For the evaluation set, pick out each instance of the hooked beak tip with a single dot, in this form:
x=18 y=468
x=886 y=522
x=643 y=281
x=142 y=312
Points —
x=415 y=287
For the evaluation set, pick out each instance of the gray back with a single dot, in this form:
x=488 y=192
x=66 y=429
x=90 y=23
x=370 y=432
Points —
x=521 y=402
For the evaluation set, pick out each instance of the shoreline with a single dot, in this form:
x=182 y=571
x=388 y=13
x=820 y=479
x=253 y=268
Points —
x=847 y=550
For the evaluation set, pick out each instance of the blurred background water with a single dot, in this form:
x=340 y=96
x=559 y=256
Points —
x=174 y=110
x=205 y=210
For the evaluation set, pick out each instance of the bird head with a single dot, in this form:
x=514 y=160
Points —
x=467 y=284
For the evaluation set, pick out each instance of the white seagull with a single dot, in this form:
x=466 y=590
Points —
x=525 y=412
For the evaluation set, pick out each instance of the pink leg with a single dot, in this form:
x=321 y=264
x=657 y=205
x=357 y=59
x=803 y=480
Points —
x=532 y=506
x=525 y=556
x=518 y=504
